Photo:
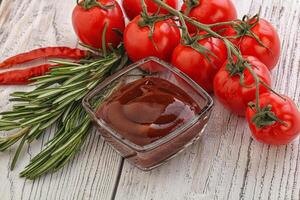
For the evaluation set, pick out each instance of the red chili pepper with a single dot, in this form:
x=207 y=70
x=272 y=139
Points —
x=48 y=52
x=23 y=76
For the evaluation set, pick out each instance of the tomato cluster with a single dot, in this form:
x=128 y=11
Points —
x=241 y=82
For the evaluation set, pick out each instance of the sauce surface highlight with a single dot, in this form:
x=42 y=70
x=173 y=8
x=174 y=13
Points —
x=147 y=109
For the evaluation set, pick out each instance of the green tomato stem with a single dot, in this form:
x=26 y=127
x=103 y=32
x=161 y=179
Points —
x=257 y=81
x=200 y=26
x=230 y=47
x=144 y=7
x=104 y=39
x=222 y=24
x=88 y=4
x=190 y=4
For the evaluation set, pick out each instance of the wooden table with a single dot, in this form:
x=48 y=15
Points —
x=226 y=164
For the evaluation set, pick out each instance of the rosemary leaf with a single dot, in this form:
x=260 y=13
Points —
x=49 y=79
x=32 y=133
x=20 y=147
x=12 y=139
x=68 y=95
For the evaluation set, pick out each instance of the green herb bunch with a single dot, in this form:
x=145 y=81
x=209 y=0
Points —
x=56 y=101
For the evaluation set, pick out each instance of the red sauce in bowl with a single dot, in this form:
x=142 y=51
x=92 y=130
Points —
x=147 y=109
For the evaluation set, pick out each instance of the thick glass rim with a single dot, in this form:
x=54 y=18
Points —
x=86 y=104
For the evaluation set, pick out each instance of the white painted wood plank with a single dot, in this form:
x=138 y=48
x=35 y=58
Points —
x=227 y=163
x=28 y=24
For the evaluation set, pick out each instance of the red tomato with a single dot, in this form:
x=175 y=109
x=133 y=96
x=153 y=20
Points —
x=133 y=8
x=210 y=12
x=277 y=133
x=138 y=45
x=196 y=65
x=250 y=46
x=89 y=24
x=234 y=96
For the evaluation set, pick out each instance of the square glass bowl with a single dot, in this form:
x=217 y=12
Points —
x=156 y=153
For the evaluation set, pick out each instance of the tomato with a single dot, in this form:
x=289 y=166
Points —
x=196 y=65
x=138 y=45
x=234 y=96
x=269 y=52
x=277 y=133
x=133 y=8
x=210 y=12
x=89 y=24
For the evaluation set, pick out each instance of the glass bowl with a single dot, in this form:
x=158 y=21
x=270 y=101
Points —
x=156 y=153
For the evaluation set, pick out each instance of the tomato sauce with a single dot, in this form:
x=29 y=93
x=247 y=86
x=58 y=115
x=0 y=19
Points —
x=147 y=109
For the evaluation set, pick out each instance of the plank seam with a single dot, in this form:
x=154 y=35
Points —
x=117 y=182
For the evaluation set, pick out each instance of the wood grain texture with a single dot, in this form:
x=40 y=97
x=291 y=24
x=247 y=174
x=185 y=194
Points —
x=225 y=164
x=28 y=24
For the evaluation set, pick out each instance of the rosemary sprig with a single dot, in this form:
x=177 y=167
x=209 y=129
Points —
x=56 y=101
